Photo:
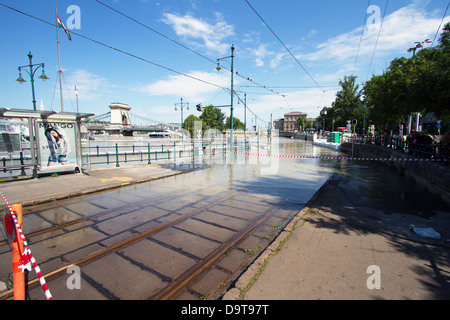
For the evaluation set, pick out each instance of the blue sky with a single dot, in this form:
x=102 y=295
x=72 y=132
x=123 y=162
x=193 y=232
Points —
x=322 y=36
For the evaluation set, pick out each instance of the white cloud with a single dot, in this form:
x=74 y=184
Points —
x=191 y=28
x=90 y=86
x=188 y=88
x=310 y=101
x=400 y=30
x=260 y=53
x=275 y=62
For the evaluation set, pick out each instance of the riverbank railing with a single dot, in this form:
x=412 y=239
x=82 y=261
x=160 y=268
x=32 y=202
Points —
x=122 y=155
x=437 y=151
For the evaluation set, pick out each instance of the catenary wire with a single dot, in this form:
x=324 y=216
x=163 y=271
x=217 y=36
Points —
x=439 y=28
x=360 y=39
x=116 y=49
x=182 y=45
x=378 y=37
x=282 y=43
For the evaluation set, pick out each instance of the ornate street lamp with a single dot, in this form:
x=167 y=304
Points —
x=181 y=106
x=218 y=68
x=31 y=73
x=364 y=106
x=323 y=113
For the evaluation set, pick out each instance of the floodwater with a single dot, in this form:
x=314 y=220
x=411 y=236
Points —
x=207 y=207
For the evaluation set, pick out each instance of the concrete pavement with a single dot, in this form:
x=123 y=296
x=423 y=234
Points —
x=348 y=242
x=51 y=188
x=345 y=245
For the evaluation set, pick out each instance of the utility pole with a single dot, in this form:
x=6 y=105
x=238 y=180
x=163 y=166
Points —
x=181 y=104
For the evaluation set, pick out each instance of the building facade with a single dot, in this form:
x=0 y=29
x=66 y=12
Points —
x=290 y=121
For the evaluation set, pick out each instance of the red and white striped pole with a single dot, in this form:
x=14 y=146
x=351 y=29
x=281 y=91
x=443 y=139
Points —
x=22 y=258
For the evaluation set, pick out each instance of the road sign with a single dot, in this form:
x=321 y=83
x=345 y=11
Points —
x=9 y=225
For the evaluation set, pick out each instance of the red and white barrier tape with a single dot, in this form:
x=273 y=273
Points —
x=26 y=256
x=334 y=158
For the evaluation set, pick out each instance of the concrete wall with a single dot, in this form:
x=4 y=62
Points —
x=301 y=136
x=435 y=176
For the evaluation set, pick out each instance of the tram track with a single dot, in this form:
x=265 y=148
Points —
x=195 y=272
x=189 y=276
x=60 y=226
x=136 y=244
x=55 y=273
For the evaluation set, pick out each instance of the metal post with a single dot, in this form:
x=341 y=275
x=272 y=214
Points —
x=17 y=249
x=117 y=156
x=30 y=57
x=59 y=59
x=232 y=93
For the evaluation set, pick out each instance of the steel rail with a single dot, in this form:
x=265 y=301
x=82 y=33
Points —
x=55 y=273
x=195 y=272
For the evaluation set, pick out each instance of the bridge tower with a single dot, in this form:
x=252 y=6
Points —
x=120 y=114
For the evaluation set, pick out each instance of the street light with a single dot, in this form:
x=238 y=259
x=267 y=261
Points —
x=323 y=113
x=419 y=45
x=31 y=73
x=181 y=106
x=218 y=68
x=364 y=106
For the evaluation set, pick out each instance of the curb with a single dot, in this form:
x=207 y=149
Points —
x=246 y=280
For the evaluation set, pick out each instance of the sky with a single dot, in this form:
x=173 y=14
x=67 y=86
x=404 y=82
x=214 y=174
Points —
x=289 y=55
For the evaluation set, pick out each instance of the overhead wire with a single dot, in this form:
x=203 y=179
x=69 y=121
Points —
x=439 y=28
x=146 y=60
x=116 y=49
x=180 y=44
x=282 y=43
x=360 y=39
x=155 y=31
x=378 y=37
x=246 y=106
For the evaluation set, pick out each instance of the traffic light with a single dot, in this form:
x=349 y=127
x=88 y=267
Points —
x=199 y=107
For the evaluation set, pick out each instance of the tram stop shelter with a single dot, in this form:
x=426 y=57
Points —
x=54 y=141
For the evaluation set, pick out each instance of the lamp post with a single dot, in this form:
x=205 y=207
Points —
x=76 y=95
x=232 y=91
x=364 y=106
x=419 y=45
x=31 y=73
x=323 y=113
x=181 y=107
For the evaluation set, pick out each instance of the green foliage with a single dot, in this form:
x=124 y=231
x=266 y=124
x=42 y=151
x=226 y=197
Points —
x=189 y=122
x=417 y=84
x=237 y=124
x=347 y=106
x=303 y=123
x=213 y=117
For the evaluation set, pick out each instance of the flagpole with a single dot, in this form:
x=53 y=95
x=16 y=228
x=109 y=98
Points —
x=59 y=59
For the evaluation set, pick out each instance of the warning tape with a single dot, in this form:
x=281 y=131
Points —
x=335 y=158
x=27 y=257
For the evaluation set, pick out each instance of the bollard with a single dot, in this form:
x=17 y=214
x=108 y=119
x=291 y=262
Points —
x=17 y=249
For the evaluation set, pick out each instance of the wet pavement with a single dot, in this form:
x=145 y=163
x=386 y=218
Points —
x=358 y=227
x=364 y=215
x=183 y=218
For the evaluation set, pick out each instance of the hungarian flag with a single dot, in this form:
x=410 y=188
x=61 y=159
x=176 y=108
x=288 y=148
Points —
x=61 y=25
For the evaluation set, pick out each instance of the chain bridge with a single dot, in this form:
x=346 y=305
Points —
x=119 y=120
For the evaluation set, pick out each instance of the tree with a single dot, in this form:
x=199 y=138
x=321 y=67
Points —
x=347 y=106
x=189 y=122
x=237 y=124
x=213 y=117
x=417 y=84
x=390 y=96
x=303 y=123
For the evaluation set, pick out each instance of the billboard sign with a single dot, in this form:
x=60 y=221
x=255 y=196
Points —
x=57 y=143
